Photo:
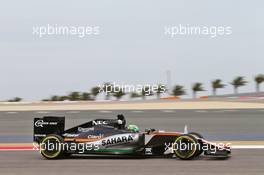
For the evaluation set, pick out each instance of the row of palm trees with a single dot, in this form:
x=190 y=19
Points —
x=237 y=82
x=73 y=96
x=178 y=90
x=109 y=91
x=15 y=99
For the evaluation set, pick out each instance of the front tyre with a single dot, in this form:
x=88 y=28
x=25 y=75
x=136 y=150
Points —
x=198 y=137
x=51 y=147
x=185 y=147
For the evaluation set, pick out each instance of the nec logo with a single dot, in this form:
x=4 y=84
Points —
x=100 y=122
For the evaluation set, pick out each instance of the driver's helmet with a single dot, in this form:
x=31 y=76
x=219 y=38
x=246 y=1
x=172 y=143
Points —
x=133 y=128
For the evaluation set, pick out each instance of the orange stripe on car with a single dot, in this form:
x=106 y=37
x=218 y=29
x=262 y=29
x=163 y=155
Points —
x=80 y=140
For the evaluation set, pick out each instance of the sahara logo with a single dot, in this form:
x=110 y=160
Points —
x=117 y=140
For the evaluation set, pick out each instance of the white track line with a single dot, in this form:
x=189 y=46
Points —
x=231 y=110
x=73 y=112
x=219 y=111
x=168 y=111
x=11 y=112
x=42 y=112
x=227 y=110
x=137 y=111
x=105 y=111
x=201 y=111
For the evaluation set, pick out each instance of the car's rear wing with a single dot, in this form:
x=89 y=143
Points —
x=47 y=125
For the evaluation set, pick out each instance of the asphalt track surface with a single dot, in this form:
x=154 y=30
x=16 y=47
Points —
x=240 y=124
x=243 y=124
x=243 y=162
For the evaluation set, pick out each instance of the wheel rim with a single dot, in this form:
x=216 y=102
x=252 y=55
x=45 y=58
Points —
x=51 y=147
x=185 y=147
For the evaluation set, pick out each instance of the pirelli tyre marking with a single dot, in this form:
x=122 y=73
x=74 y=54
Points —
x=185 y=147
x=51 y=147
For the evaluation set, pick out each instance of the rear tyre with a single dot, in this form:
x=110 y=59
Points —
x=51 y=147
x=185 y=147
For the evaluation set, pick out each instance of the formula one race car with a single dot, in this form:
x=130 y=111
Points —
x=113 y=137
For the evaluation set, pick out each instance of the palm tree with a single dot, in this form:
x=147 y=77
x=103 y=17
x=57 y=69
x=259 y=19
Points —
x=259 y=79
x=160 y=89
x=196 y=88
x=63 y=98
x=178 y=90
x=119 y=93
x=74 y=96
x=108 y=89
x=86 y=96
x=217 y=84
x=95 y=91
x=237 y=82
x=134 y=95
x=54 y=98
x=16 y=99
x=146 y=91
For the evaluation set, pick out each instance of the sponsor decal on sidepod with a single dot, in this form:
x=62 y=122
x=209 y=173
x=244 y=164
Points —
x=40 y=123
x=125 y=138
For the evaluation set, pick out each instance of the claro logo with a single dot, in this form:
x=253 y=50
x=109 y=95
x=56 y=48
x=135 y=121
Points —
x=40 y=123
